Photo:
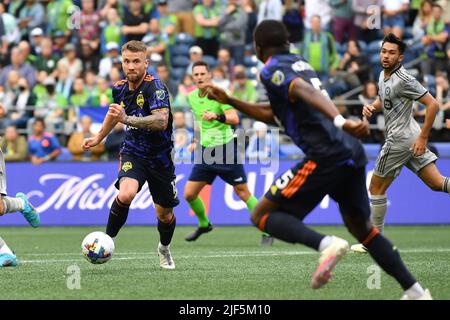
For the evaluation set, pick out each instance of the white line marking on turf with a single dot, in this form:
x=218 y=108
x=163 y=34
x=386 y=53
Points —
x=145 y=256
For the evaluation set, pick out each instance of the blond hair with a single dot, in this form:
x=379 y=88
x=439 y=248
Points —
x=134 y=46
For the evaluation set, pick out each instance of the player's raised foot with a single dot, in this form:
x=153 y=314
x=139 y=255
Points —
x=29 y=212
x=266 y=240
x=8 y=260
x=359 y=248
x=426 y=296
x=198 y=232
x=165 y=257
x=328 y=260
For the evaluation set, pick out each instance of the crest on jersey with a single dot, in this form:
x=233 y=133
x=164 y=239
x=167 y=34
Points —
x=387 y=91
x=160 y=94
x=278 y=78
x=127 y=166
x=140 y=100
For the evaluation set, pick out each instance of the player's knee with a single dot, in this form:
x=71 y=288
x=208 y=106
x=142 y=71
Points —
x=127 y=197
x=189 y=195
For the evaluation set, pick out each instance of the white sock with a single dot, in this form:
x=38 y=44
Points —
x=325 y=243
x=446 y=185
x=13 y=204
x=415 y=292
x=378 y=207
x=4 y=247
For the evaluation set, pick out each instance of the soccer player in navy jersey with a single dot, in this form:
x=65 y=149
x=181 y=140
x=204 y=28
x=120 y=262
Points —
x=334 y=162
x=141 y=102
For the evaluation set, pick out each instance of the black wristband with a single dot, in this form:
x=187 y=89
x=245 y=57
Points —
x=221 y=118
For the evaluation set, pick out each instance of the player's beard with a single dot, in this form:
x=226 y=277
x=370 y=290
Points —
x=135 y=77
x=389 y=67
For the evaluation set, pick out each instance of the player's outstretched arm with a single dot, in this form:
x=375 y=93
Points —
x=258 y=111
x=109 y=123
x=432 y=107
x=302 y=90
x=370 y=108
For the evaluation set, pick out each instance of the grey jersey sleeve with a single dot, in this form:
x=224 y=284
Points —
x=412 y=89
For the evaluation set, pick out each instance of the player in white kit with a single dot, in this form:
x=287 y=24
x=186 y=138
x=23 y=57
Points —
x=9 y=205
x=406 y=142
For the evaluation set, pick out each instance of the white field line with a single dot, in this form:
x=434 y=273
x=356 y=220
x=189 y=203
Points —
x=145 y=256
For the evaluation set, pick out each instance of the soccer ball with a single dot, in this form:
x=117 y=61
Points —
x=97 y=247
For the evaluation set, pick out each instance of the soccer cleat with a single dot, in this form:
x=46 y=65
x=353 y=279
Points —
x=425 y=296
x=198 y=232
x=29 y=212
x=359 y=248
x=266 y=240
x=7 y=260
x=327 y=261
x=165 y=257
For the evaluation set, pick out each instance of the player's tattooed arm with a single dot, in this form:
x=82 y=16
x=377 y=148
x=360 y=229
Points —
x=157 y=121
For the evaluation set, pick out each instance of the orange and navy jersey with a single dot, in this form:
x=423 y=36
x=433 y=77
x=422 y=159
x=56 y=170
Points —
x=153 y=146
x=309 y=129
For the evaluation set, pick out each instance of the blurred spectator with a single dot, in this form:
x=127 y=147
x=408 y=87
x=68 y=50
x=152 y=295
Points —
x=181 y=145
x=319 y=8
x=243 y=88
x=368 y=95
x=167 y=22
x=112 y=57
x=262 y=144
x=354 y=67
x=10 y=90
x=30 y=16
x=51 y=105
x=182 y=9
x=231 y=27
x=207 y=18
x=270 y=9
x=319 y=49
x=11 y=32
x=70 y=61
x=14 y=146
x=65 y=81
x=195 y=54
x=58 y=14
x=224 y=61
x=46 y=60
x=293 y=20
x=105 y=97
x=435 y=40
x=343 y=26
x=220 y=79
x=24 y=46
x=111 y=31
x=89 y=33
x=76 y=141
x=394 y=16
x=91 y=60
x=184 y=88
x=156 y=45
x=249 y=6
x=114 y=141
x=364 y=14
x=42 y=146
x=164 y=76
x=18 y=63
x=80 y=96
x=59 y=42
x=23 y=105
x=424 y=17
x=36 y=38
x=135 y=22
x=115 y=75
x=443 y=94
x=179 y=122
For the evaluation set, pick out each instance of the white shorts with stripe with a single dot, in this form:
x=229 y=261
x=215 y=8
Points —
x=392 y=158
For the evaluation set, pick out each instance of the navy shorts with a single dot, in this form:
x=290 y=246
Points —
x=161 y=181
x=300 y=189
x=229 y=166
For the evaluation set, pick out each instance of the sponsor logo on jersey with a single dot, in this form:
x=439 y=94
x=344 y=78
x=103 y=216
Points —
x=127 y=166
x=140 y=100
x=278 y=78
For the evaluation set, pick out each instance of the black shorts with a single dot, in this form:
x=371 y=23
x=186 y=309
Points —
x=230 y=168
x=299 y=190
x=161 y=181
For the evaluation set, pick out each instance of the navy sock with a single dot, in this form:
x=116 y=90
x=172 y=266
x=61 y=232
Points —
x=166 y=231
x=117 y=217
x=288 y=228
x=388 y=258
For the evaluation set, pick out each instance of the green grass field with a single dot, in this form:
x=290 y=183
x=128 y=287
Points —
x=227 y=263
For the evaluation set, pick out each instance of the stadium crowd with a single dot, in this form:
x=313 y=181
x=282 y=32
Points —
x=60 y=58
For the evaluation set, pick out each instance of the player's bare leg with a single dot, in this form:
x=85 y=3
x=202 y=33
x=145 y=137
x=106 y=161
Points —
x=433 y=178
x=118 y=213
x=244 y=194
x=191 y=191
x=166 y=228
x=378 y=205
